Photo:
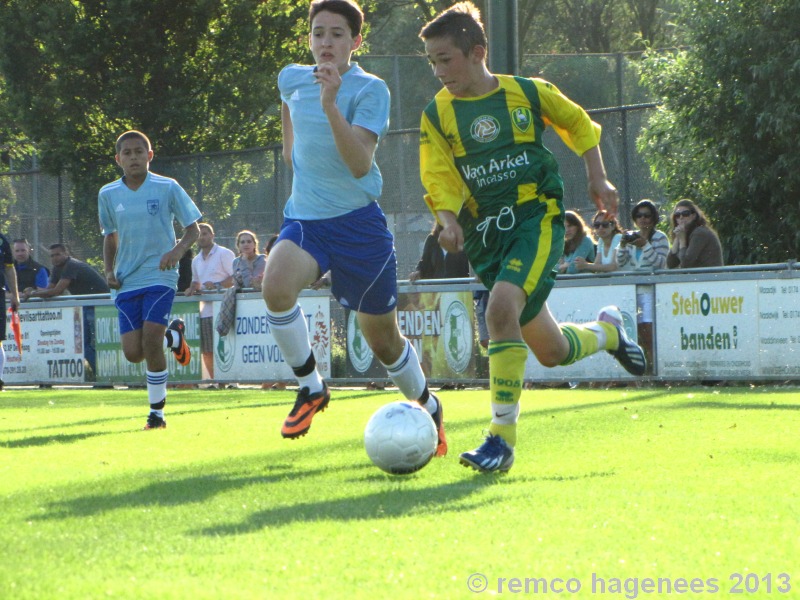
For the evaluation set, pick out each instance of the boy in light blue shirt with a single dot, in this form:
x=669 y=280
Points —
x=140 y=257
x=333 y=115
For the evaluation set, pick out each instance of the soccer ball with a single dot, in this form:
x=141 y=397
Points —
x=400 y=438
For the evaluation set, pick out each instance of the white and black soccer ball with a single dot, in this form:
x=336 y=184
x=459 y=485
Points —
x=400 y=438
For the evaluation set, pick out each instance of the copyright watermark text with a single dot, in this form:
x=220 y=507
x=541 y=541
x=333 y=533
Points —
x=634 y=587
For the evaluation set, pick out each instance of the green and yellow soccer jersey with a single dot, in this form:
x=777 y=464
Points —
x=487 y=153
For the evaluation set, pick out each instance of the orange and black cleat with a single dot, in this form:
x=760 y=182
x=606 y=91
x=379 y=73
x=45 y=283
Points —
x=306 y=406
x=183 y=355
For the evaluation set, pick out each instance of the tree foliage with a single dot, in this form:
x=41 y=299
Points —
x=196 y=75
x=727 y=131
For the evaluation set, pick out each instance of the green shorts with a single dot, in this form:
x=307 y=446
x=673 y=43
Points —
x=521 y=245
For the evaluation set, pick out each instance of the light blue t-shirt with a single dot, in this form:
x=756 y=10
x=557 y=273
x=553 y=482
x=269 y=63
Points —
x=322 y=185
x=143 y=220
x=585 y=250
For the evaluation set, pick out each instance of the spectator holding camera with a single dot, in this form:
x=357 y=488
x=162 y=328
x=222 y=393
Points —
x=608 y=233
x=694 y=242
x=644 y=249
x=578 y=243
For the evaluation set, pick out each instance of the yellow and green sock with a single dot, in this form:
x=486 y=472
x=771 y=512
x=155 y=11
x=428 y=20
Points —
x=506 y=375
x=585 y=340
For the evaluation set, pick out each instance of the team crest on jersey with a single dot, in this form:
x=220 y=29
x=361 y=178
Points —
x=521 y=117
x=152 y=206
x=485 y=129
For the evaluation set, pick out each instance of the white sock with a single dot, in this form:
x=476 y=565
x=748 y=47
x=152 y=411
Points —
x=291 y=334
x=505 y=414
x=406 y=372
x=598 y=330
x=157 y=390
x=172 y=339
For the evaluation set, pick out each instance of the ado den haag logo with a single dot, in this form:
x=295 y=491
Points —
x=522 y=118
x=357 y=348
x=484 y=129
x=225 y=351
x=457 y=334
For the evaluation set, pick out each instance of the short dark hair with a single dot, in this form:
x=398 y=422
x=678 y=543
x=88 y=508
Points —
x=132 y=134
x=270 y=243
x=650 y=206
x=347 y=8
x=461 y=23
x=59 y=246
x=22 y=241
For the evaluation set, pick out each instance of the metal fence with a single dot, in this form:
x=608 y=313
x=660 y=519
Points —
x=247 y=189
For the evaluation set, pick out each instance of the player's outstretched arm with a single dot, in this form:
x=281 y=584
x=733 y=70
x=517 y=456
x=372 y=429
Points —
x=601 y=190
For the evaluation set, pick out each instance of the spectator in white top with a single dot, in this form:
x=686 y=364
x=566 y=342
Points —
x=608 y=234
x=212 y=270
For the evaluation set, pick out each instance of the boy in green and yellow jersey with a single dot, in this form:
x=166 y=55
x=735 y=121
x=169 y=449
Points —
x=497 y=193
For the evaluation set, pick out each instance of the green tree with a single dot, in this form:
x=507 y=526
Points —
x=726 y=134
x=196 y=75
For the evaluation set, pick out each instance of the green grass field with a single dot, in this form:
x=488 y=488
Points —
x=609 y=486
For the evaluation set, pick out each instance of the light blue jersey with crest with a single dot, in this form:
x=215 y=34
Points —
x=143 y=220
x=322 y=185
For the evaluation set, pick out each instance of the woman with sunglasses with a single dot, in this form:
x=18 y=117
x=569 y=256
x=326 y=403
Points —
x=694 y=242
x=578 y=243
x=648 y=247
x=644 y=250
x=608 y=234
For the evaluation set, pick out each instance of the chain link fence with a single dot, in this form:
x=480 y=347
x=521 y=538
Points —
x=247 y=189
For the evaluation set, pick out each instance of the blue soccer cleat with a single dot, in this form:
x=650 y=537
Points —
x=493 y=455
x=628 y=353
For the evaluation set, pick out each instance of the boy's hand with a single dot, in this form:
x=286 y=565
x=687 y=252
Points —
x=451 y=237
x=604 y=195
x=327 y=76
x=112 y=281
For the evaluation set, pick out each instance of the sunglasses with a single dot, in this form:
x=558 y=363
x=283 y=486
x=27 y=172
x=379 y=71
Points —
x=603 y=225
x=643 y=215
x=683 y=213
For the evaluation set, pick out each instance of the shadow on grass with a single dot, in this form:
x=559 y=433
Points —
x=390 y=503
x=172 y=492
x=215 y=405
x=61 y=438
x=733 y=406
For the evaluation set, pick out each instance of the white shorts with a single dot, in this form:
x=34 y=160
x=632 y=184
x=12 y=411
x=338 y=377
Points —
x=645 y=305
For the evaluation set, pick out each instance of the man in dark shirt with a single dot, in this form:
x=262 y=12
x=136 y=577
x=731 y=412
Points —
x=69 y=275
x=30 y=274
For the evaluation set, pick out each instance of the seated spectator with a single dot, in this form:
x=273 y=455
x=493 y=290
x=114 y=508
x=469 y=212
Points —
x=69 y=275
x=185 y=270
x=578 y=242
x=270 y=243
x=643 y=250
x=248 y=267
x=30 y=274
x=647 y=248
x=694 y=242
x=436 y=263
x=609 y=233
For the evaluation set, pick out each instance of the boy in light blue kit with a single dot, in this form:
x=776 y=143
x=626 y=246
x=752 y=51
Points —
x=333 y=116
x=140 y=257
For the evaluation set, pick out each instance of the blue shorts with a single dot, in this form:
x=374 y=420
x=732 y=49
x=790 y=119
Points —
x=358 y=249
x=152 y=304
